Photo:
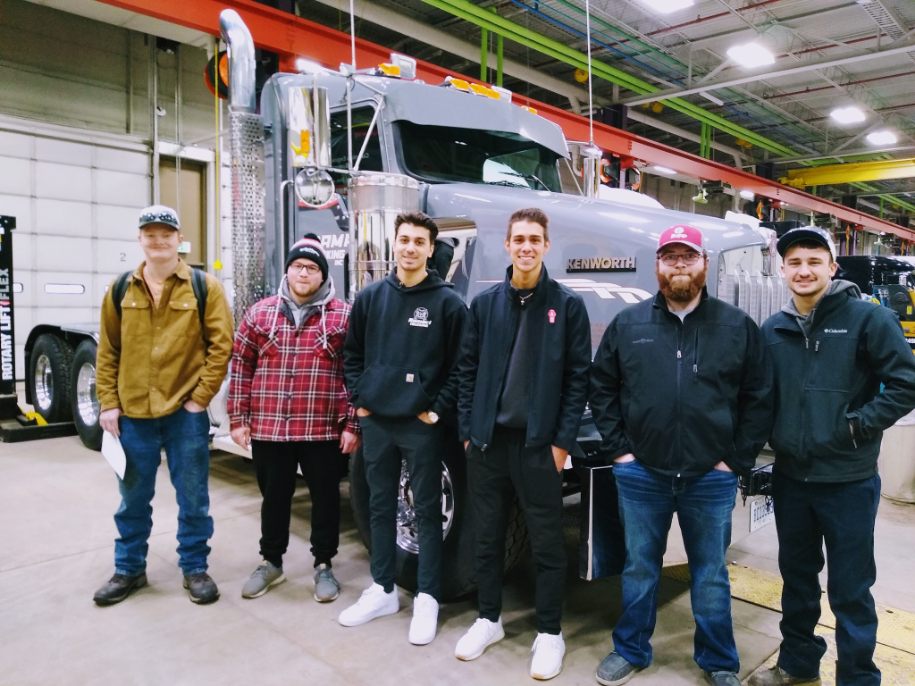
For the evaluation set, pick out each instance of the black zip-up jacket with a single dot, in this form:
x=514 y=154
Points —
x=402 y=346
x=561 y=349
x=683 y=396
x=829 y=411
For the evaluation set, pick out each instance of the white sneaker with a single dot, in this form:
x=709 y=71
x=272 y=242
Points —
x=478 y=638
x=548 y=650
x=425 y=619
x=373 y=603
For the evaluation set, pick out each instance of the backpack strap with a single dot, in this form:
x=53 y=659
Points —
x=118 y=290
x=199 y=284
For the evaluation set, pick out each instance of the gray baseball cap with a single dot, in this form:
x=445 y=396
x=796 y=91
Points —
x=159 y=214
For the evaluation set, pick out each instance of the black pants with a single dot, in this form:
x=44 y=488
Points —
x=322 y=466
x=507 y=468
x=386 y=442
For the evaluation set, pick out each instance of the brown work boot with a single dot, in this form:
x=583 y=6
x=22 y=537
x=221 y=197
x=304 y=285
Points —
x=776 y=676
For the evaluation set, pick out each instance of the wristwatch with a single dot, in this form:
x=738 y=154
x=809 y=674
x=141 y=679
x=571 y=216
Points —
x=433 y=416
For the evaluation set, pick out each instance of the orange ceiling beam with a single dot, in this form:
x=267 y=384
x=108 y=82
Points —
x=290 y=36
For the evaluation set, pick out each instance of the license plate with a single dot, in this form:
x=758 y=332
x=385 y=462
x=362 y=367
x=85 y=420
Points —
x=761 y=512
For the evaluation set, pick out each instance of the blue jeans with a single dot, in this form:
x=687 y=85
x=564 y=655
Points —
x=185 y=437
x=703 y=505
x=842 y=516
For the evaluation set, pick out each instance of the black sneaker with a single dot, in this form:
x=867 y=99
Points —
x=615 y=670
x=201 y=588
x=723 y=678
x=118 y=587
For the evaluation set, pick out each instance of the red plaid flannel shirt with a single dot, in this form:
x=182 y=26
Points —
x=288 y=385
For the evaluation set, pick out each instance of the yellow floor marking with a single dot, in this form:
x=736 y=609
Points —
x=895 y=633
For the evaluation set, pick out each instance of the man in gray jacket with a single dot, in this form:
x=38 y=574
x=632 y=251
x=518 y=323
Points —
x=831 y=352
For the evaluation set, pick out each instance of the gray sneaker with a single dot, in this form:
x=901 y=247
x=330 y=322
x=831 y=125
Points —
x=615 y=670
x=260 y=581
x=327 y=588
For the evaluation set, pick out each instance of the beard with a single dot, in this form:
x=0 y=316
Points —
x=682 y=288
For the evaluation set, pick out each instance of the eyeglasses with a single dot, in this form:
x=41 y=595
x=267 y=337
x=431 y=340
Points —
x=310 y=269
x=671 y=258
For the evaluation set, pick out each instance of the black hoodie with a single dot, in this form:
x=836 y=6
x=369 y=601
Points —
x=402 y=346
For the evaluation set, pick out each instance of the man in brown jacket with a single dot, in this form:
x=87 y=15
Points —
x=160 y=362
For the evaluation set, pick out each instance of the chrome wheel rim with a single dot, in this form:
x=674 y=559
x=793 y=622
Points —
x=44 y=383
x=86 y=401
x=407 y=524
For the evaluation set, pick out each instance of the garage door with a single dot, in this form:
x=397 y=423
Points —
x=75 y=195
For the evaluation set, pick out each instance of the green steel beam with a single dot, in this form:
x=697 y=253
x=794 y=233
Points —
x=483 y=18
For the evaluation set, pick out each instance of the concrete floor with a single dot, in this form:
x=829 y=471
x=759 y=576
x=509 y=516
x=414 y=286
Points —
x=56 y=502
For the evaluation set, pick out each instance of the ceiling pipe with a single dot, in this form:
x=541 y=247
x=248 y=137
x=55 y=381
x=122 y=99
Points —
x=686 y=135
x=815 y=66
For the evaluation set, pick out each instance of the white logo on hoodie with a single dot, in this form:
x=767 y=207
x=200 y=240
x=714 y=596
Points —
x=420 y=318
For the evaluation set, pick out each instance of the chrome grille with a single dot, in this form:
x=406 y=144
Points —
x=759 y=296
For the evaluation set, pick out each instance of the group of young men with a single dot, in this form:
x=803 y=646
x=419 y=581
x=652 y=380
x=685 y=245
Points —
x=684 y=389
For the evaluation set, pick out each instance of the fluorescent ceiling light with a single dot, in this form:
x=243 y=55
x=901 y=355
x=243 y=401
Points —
x=751 y=55
x=712 y=98
x=667 y=6
x=663 y=170
x=883 y=137
x=848 y=115
x=747 y=195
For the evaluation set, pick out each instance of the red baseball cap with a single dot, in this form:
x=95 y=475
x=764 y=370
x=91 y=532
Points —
x=689 y=236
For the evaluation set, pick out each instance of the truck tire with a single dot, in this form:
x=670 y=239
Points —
x=457 y=526
x=49 y=377
x=83 y=399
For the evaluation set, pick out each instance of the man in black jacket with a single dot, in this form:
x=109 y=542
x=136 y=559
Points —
x=400 y=366
x=831 y=352
x=680 y=392
x=523 y=388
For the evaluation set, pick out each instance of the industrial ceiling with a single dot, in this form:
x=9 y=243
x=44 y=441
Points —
x=669 y=77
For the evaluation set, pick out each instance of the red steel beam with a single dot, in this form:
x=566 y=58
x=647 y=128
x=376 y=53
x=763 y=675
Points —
x=290 y=36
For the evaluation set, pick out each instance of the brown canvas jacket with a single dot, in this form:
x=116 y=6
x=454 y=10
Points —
x=152 y=360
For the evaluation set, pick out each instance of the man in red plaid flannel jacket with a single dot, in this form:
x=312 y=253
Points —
x=287 y=402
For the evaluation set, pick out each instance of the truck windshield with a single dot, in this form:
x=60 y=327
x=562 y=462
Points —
x=440 y=154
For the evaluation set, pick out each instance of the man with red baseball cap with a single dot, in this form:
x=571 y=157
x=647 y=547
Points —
x=680 y=392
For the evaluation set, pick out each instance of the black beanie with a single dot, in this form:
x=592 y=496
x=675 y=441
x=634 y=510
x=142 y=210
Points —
x=308 y=248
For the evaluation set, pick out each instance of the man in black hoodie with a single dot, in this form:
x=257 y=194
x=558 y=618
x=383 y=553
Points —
x=523 y=388
x=831 y=352
x=681 y=396
x=399 y=363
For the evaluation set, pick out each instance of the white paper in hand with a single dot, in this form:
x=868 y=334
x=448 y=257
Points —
x=114 y=454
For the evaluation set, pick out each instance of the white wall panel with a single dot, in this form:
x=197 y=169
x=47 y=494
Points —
x=15 y=176
x=65 y=182
x=117 y=222
x=19 y=206
x=13 y=144
x=116 y=256
x=63 y=152
x=122 y=160
x=63 y=217
x=59 y=253
x=118 y=188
